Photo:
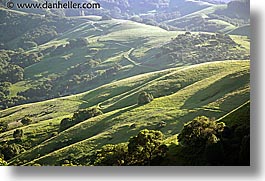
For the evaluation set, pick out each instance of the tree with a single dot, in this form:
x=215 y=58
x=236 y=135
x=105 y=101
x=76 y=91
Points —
x=146 y=146
x=244 y=154
x=144 y=98
x=75 y=43
x=26 y=120
x=200 y=131
x=65 y=124
x=214 y=153
x=85 y=114
x=79 y=116
x=112 y=155
x=18 y=134
x=9 y=151
x=3 y=127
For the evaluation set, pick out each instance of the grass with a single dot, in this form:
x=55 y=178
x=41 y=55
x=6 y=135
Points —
x=206 y=89
x=181 y=91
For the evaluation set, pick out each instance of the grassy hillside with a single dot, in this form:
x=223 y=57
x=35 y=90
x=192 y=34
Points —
x=182 y=94
x=84 y=52
x=214 y=18
x=72 y=84
x=244 y=31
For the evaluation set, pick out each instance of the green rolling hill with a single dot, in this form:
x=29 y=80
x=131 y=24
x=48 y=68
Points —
x=212 y=93
x=53 y=67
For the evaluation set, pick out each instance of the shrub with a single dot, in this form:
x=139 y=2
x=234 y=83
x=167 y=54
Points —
x=144 y=98
x=3 y=127
x=78 y=117
x=85 y=114
x=79 y=42
x=65 y=124
x=26 y=121
x=18 y=134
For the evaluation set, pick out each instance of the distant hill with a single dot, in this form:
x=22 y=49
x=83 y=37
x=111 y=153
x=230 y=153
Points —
x=74 y=81
x=63 y=56
x=222 y=16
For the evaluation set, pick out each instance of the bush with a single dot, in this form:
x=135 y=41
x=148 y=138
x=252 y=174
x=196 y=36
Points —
x=26 y=121
x=85 y=114
x=144 y=98
x=78 y=117
x=65 y=124
x=3 y=127
x=18 y=134
x=79 y=42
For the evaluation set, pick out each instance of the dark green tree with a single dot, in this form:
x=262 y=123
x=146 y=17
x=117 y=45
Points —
x=200 y=131
x=144 y=98
x=18 y=134
x=244 y=154
x=112 y=155
x=146 y=146
x=65 y=124
x=26 y=121
x=214 y=153
x=9 y=151
x=85 y=114
x=3 y=127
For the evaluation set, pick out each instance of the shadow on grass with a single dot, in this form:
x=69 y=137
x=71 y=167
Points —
x=216 y=91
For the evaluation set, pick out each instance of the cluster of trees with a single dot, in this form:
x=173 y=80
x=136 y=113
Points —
x=8 y=151
x=18 y=134
x=31 y=30
x=41 y=92
x=12 y=64
x=198 y=23
x=73 y=43
x=202 y=48
x=78 y=117
x=11 y=148
x=39 y=35
x=142 y=149
x=202 y=141
x=9 y=72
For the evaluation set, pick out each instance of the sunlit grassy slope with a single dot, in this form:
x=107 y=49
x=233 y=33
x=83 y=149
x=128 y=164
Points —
x=110 y=43
x=208 y=14
x=210 y=89
x=131 y=45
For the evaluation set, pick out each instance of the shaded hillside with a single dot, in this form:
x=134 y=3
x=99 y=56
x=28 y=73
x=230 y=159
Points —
x=229 y=82
x=88 y=52
x=244 y=31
